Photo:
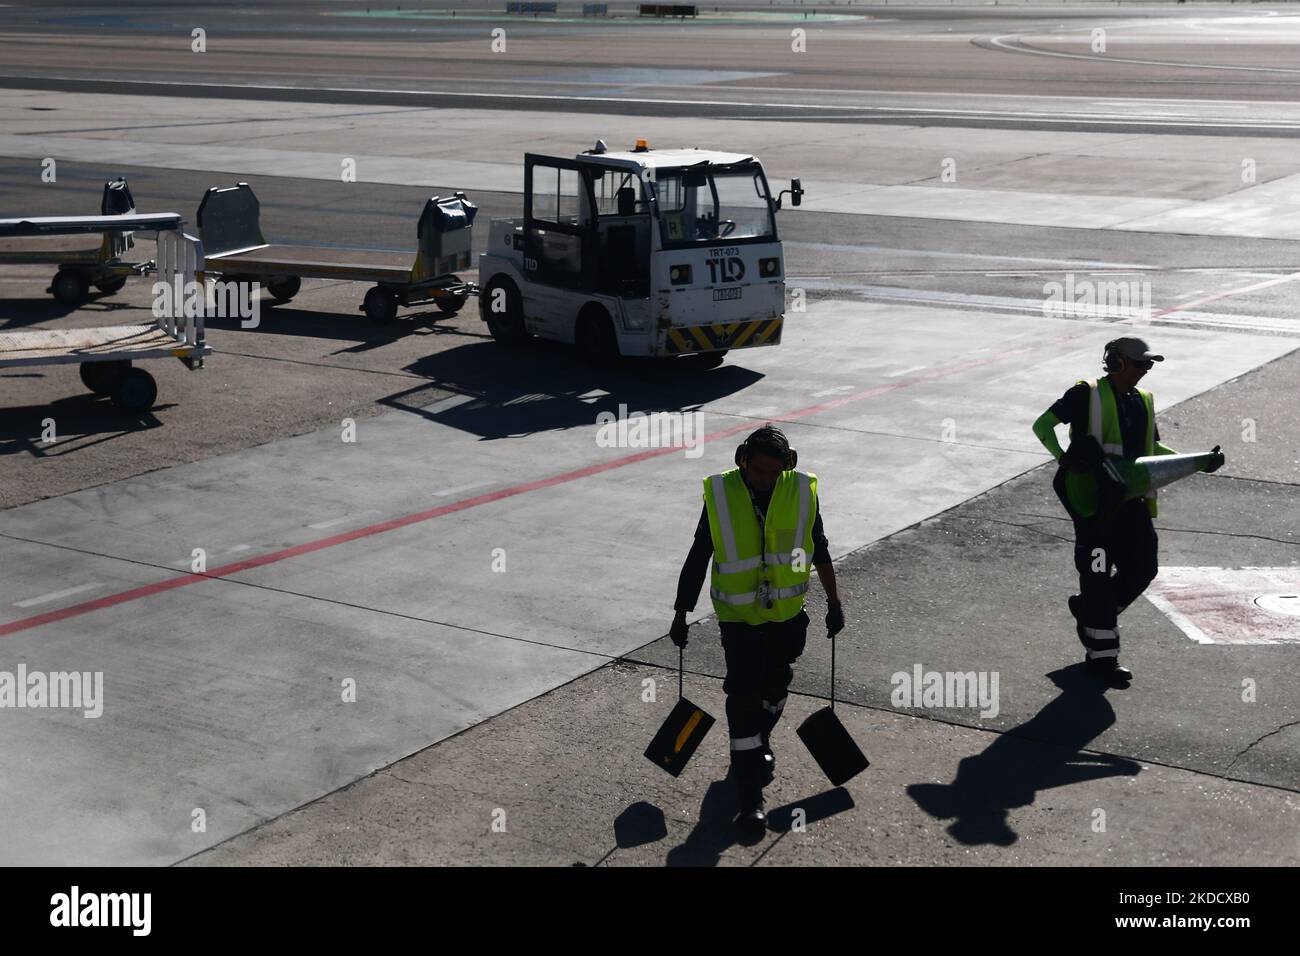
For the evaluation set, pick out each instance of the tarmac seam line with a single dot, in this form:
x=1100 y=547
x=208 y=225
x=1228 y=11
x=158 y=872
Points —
x=313 y=597
x=378 y=770
x=419 y=517
x=1000 y=733
x=1164 y=528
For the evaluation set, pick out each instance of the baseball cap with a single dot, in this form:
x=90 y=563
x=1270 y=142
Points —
x=1133 y=348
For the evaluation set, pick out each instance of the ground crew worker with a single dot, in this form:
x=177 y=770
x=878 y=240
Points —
x=1115 y=544
x=762 y=526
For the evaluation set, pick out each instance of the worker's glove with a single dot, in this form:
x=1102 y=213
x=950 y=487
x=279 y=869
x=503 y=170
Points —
x=678 y=631
x=1216 y=462
x=1084 y=454
x=834 y=618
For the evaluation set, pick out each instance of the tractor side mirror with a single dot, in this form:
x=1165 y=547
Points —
x=795 y=192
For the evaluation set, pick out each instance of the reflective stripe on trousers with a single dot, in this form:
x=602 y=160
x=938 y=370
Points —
x=1100 y=642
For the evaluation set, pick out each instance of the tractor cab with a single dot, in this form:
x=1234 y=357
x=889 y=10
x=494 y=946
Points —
x=677 y=247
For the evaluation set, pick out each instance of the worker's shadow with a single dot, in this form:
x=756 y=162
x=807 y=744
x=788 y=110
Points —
x=716 y=831
x=1041 y=753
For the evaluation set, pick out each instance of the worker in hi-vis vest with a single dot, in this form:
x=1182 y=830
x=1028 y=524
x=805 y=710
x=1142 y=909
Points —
x=1114 y=541
x=762 y=528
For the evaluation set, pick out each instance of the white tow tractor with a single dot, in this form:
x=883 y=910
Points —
x=656 y=253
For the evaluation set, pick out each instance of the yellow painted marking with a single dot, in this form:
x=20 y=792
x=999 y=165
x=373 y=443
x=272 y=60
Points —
x=771 y=329
x=749 y=330
x=700 y=337
x=685 y=735
x=676 y=338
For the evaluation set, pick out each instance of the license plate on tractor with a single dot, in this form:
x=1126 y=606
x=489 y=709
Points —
x=720 y=294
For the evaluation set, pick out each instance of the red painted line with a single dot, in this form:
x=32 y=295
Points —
x=225 y=570
x=1224 y=295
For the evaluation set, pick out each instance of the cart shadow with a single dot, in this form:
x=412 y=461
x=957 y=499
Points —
x=80 y=422
x=1042 y=753
x=340 y=326
x=21 y=313
x=548 y=387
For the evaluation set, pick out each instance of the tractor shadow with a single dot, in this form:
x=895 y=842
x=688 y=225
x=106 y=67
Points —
x=498 y=393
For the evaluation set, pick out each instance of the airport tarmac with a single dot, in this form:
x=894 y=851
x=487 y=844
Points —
x=443 y=564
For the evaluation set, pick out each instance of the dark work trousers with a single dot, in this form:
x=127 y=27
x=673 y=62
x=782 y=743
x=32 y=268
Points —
x=1111 y=580
x=758 y=676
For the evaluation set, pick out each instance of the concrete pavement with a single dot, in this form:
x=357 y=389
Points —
x=1179 y=769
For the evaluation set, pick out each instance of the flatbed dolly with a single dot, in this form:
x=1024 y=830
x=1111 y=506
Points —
x=234 y=248
x=82 y=258
x=106 y=353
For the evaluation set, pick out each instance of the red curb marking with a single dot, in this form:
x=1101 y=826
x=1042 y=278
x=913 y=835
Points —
x=225 y=570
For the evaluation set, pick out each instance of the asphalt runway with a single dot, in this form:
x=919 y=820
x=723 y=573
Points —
x=375 y=561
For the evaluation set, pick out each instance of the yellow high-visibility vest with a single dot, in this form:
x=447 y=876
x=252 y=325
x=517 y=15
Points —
x=756 y=578
x=1103 y=425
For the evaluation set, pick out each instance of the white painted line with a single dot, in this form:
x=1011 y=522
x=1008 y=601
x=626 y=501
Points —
x=1179 y=619
x=901 y=112
x=55 y=595
x=914 y=368
x=329 y=524
x=997 y=41
x=832 y=391
x=459 y=488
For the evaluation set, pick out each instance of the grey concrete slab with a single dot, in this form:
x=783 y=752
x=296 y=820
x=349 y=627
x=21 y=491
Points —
x=561 y=796
x=597 y=578
x=982 y=588
x=230 y=700
x=1025 y=177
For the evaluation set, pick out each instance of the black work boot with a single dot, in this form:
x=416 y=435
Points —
x=752 y=819
x=747 y=770
x=1109 y=670
x=769 y=760
x=1075 y=609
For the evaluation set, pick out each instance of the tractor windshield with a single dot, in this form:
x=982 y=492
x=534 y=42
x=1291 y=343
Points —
x=706 y=204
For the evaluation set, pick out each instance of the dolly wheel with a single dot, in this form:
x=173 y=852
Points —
x=111 y=284
x=450 y=304
x=283 y=288
x=136 y=392
x=380 y=306
x=70 y=286
x=102 y=377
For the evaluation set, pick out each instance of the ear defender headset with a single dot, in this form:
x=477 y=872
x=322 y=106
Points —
x=768 y=435
x=1112 y=358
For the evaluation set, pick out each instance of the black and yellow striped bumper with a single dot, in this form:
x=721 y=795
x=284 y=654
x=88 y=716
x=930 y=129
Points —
x=733 y=335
